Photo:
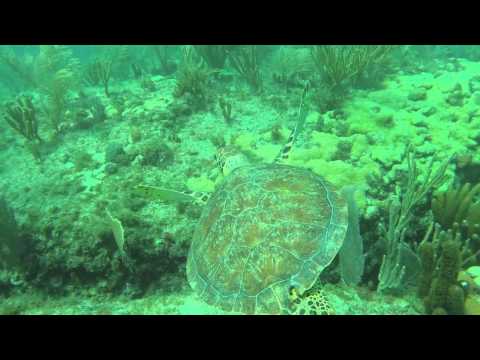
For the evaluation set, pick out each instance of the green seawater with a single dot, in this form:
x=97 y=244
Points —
x=122 y=189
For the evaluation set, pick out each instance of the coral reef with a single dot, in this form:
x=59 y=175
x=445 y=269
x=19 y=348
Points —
x=104 y=119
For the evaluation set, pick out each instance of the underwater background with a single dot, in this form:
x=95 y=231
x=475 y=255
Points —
x=94 y=137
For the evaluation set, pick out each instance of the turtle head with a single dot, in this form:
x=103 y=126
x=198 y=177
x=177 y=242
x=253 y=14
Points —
x=229 y=159
x=312 y=302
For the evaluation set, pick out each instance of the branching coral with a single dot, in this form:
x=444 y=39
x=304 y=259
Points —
x=192 y=77
x=339 y=64
x=458 y=212
x=53 y=58
x=291 y=66
x=164 y=56
x=214 y=55
x=244 y=60
x=57 y=72
x=57 y=90
x=226 y=108
x=10 y=244
x=392 y=271
x=458 y=206
x=442 y=258
x=17 y=66
x=90 y=74
x=99 y=72
x=21 y=117
x=118 y=60
x=121 y=57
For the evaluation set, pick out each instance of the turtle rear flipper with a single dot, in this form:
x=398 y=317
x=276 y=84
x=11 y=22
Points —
x=161 y=194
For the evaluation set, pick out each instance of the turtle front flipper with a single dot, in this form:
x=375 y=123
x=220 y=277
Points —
x=302 y=115
x=161 y=194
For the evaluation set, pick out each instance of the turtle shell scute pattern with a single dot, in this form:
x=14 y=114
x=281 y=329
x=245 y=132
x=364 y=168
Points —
x=266 y=229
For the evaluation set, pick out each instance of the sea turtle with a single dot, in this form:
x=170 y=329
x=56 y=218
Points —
x=264 y=235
